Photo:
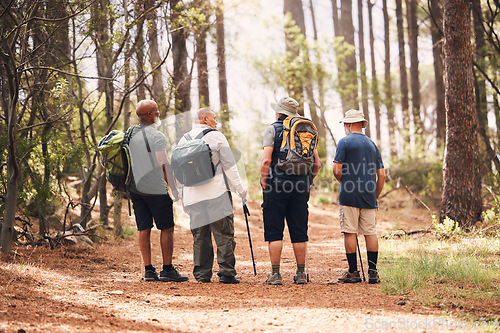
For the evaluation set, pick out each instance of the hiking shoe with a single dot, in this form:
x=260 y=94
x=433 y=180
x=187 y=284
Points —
x=373 y=277
x=228 y=279
x=274 y=279
x=300 y=278
x=350 y=277
x=172 y=275
x=150 y=276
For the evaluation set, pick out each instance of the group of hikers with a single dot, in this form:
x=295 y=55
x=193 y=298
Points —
x=357 y=166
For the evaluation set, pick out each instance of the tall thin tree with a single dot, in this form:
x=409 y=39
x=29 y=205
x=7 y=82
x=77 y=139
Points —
x=437 y=51
x=374 y=85
x=362 y=66
x=411 y=8
x=403 y=74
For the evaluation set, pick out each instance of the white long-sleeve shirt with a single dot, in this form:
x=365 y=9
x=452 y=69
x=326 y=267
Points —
x=217 y=186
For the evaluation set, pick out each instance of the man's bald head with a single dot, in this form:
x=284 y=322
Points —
x=206 y=116
x=147 y=111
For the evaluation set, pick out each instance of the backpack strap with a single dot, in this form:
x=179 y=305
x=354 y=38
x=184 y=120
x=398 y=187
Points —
x=278 y=139
x=205 y=132
x=188 y=136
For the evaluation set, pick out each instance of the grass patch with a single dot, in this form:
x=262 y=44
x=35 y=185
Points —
x=128 y=232
x=435 y=271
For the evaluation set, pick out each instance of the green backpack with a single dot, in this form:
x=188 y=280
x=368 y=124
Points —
x=115 y=158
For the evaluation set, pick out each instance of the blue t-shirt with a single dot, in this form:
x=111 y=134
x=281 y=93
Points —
x=360 y=159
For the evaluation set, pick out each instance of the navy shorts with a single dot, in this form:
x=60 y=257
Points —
x=285 y=201
x=147 y=207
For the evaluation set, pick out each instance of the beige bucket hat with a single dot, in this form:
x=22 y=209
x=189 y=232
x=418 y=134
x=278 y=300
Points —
x=287 y=106
x=354 y=116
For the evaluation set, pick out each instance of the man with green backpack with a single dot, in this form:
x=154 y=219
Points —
x=148 y=191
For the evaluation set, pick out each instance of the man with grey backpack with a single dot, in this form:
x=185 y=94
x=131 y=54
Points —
x=289 y=163
x=205 y=169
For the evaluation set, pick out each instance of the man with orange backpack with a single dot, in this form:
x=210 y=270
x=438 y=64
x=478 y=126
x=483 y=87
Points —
x=289 y=163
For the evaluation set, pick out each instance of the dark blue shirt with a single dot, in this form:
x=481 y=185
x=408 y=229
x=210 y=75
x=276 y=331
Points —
x=360 y=159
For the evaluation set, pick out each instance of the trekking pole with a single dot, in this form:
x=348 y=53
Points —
x=360 y=259
x=247 y=213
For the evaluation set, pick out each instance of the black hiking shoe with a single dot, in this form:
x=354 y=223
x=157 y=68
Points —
x=172 y=276
x=373 y=276
x=228 y=279
x=150 y=276
x=348 y=277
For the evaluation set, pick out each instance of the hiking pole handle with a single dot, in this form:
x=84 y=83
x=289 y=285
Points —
x=247 y=213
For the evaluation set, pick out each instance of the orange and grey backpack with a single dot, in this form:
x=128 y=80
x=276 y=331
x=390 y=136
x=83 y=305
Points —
x=300 y=138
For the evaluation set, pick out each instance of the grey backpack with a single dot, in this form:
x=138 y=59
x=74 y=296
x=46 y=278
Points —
x=192 y=160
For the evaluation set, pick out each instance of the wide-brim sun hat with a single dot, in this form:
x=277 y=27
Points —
x=287 y=106
x=354 y=116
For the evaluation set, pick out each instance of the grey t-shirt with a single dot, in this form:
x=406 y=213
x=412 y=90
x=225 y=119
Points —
x=148 y=175
x=268 y=137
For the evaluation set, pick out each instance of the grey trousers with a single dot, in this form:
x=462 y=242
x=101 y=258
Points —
x=223 y=233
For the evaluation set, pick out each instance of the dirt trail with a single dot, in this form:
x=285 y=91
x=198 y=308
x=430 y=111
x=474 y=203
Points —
x=100 y=290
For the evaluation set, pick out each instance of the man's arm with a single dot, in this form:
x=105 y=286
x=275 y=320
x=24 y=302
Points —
x=337 y=171
x=265 y=164
x=317 y=164
x=161 y=158
x=380 y=181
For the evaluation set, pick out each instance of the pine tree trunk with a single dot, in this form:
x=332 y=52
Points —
x=374 y=86
x=388 y=82
x=158 y=91
x=139 y=48
x=362 y=72
x=315 y=117
x=350 y=100
x=221 y=66
x=10 y=97
x=181 y=78
x=411 y=7
x=481 y=102
x=295 y=80
x=201 y=58
x=437 y=51
x=403 y=81
x=461 y=200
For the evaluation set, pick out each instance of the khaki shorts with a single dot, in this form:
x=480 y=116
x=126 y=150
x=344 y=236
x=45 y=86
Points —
x=359 y=221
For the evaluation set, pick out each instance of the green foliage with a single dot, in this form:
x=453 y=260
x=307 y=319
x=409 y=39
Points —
x=447 y=229
x=128 y=232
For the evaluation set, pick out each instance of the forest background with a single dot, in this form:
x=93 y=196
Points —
x=73 y=70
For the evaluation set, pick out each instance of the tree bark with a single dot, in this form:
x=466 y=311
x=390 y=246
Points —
x=374 y=86
x=318 y=119
x=437 y=51
x=139 y=49
x=295 y=80
x=201 y=57
x=350 y=100
x=480 y=84
x=182 y=81
x=158 y=91
x=362 y=66
x=411 y=8
x=388 y=82
x=461 y=200
x=221 y=67
x=403 y=81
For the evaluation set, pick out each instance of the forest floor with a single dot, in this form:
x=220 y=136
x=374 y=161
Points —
x=100 y=289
